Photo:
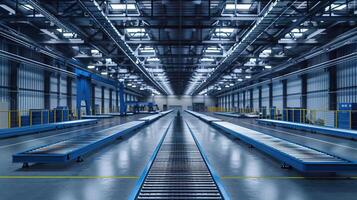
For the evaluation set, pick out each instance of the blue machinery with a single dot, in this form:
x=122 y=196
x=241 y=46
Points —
x=141 y=107
x=84 y=91
x=74 y=148
x=178 y=169
x=12 y=132
x=302 y=158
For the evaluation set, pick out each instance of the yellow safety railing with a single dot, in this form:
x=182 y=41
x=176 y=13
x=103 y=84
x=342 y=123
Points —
x=19 y=118
x=331 y=118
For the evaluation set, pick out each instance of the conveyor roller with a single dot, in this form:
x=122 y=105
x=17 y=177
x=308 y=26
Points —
x=179 y=171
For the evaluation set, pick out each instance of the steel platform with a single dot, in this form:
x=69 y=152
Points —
x=76 y=147
x=302 y=158
x=151 y=118
x=25 y=130
x=203 y=117
x=236 y=115
x=338 y=132
x=178 y=170
x=97 y=116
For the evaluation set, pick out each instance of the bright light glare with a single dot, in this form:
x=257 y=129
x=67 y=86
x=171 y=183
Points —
x=153 y=60
x=239 y=6
x=267 y=67
x=90 y=66
x=123 y=6
x=207 y=60
x=28 y=7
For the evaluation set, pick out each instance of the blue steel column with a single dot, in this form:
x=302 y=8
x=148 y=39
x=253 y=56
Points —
x=251 y=99
x=116 y=99
x=83 y=94
x=122 y=99
x=285 y=93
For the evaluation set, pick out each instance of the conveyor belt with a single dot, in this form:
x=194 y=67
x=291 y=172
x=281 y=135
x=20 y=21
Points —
x=303 y=158
x=205 y=118
x=338 y=132
x=179 y=170
x=75 y=147
x=12 y=132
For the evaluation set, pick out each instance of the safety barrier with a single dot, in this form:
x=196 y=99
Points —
x=19 y=118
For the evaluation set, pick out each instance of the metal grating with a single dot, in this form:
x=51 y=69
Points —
x=179 y=170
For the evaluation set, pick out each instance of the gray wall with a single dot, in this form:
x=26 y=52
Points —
x=185 y=101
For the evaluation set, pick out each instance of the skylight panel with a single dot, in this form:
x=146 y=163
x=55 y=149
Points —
x=123 y=6
x=239 y=6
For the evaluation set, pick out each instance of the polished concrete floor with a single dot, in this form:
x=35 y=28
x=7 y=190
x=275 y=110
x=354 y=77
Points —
x=109 y=173
x=112 y=172
x=248 y=173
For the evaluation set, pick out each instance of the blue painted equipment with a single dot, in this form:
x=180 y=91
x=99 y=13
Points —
x=347 y=115
x=74 y=148
x=302 y=158
x=25 y=130
x=338 y=132
x=205 y=118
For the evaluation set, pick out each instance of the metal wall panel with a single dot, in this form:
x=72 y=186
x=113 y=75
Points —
x=98 y=98
x=53 y=91
x=317 y=91
x=106 y=100
x=236 y=100
x=63 y=91
x=265 y=96
x=247 y=98
x=256 y=98
x=31 y=88
x=347 y=82
x=74 y=94
x=241 y=105
x=293 y=88
x=278 y=94
x=4 y=80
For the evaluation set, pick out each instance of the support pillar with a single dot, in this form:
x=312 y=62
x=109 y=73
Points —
x=102 y=109
x=251 y=99
x=285 y=93
x=110 y=100
x=332 y=91
x=260 y=97
x=304 y=91
x=122 y=99
x=270 y=95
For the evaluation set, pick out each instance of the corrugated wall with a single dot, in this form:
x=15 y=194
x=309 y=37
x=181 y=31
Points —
x=256 y=98
x=106 y=100
x=293 y=92
x=74 y=94
x=4 y=76
x=247 y=99
x=241 y=99
x=53 y=91
x=98 y=98
x=31 y=88
x=278 y=94
x=63 y=91
x=265 y=96
x=347 y=78
x=317 y=91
